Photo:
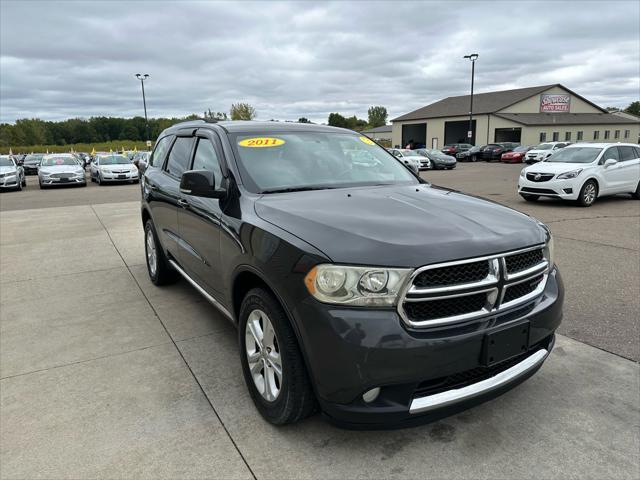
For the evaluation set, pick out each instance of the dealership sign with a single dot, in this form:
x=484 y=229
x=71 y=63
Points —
x=555 y=103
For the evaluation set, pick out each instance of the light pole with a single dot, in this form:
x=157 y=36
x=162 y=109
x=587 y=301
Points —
x=142 y=78
x=473 y=57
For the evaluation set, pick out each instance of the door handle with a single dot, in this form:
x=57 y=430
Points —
x=183 y=203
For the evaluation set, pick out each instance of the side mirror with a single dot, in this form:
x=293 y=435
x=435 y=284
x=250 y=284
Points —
x=200 y=183
x=610 y=161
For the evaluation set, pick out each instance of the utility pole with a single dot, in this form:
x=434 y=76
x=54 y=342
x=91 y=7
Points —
x=142 y=78
x=473 y=57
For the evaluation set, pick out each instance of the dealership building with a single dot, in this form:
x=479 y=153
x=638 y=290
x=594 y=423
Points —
x=527 y=116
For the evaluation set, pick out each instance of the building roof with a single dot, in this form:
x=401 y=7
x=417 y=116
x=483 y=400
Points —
x=567 y=118
x=382 y=129
x=483 y=103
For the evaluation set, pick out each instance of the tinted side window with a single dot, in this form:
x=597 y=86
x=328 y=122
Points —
x=206 y=158
x=179 y=156
x=627 y=153
x=157 y=157
x=611 y=153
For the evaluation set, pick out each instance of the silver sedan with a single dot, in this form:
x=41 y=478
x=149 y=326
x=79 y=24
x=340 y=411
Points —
x=113 y=168
x=60 y=169
x=11 y=174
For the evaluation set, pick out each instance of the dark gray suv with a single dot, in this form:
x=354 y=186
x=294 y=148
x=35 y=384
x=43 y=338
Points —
x=357 y=288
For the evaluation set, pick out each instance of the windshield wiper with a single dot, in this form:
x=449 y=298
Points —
x=296 y=189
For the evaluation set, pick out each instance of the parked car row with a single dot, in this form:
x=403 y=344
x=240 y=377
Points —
x=424 y=158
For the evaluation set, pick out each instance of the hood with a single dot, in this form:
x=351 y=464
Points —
x=8 y=169
x=61 y=169
x=541 y=151
x=403 y=226
x=555 y=167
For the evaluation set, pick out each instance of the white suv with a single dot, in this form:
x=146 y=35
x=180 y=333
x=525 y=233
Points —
x=583 y=172
x=544 y=150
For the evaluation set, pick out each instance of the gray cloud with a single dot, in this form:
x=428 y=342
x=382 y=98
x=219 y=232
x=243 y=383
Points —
x=292 y=59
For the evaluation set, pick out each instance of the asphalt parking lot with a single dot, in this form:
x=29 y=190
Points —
x=105 y=375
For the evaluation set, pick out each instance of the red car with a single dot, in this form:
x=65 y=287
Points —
x=515 y=156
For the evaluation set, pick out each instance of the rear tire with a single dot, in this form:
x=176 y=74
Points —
x=636 y=194
x=160 y=272
x=284 y=402
x=588 y=194
x=530 y=198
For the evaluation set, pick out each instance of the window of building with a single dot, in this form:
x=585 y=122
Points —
x=607 y=134
x=627 y=133
x=179 y=156
x=556 y=136
x=616 y=134
x=567 y=136
x=543 y=137
x=596 y=135
x=580 y=135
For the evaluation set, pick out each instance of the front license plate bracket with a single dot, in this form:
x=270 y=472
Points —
x=504 y=343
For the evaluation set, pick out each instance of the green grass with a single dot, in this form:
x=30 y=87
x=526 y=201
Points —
x=77 y=147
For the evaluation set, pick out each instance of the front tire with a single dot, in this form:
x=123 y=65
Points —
x=272 y=363
x=160 y=272
x=636 y=194
x=588 y=194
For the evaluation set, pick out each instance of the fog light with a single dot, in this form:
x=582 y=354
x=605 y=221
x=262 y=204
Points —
x=568 y=190
x=371 y=395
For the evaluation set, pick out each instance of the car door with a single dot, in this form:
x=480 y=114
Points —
x=629 y=167
x=199 y=218
x=613 y=175
x=161 y=186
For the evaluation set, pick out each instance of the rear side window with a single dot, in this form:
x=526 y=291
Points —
x=179 y=156
x=206 y=158
x=157 y=157
x=627 y=153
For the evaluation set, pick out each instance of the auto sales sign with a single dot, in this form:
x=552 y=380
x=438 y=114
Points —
x=555 y=103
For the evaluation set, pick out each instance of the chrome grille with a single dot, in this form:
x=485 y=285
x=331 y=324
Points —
x=463 y=290
x=539 y=177
x=61 y=175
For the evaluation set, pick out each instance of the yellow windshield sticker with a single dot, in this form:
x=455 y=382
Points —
x=261 y=142
x=367 y=140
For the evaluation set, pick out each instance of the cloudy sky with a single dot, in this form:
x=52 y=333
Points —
x=293 y=59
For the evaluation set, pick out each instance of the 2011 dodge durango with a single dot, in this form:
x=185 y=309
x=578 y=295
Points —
x=358 y=289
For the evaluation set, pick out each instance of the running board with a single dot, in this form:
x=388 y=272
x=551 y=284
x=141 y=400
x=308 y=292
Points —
x=202 y=291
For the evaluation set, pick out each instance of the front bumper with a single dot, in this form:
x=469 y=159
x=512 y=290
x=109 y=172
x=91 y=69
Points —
x=49 y=182
x=565 y=189
x=119 y=177
x=10 y=182
x=350 y=351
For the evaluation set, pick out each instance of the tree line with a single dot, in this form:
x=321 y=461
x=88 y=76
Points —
x=34 y=131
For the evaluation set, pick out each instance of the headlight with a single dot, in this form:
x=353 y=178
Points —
x=522 y=173
x=549 y=249
x=359 y=286
x=571 y=174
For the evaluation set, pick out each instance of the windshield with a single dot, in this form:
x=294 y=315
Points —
x=113 y=160
x=575 y=155
x=51 y=161
x=33 y=158
x=544 y=146
x=6 y=162
x=521 y=149
x=314 y=160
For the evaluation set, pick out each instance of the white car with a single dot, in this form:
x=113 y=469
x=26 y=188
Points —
x=11 y=174
x=113 y=168
x=543 y=151
x=584 y=172
x=60 y=169
x=411 y=158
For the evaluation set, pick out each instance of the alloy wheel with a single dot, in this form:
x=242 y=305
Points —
x=263 y=355
x=589 y=194
x=152 y=255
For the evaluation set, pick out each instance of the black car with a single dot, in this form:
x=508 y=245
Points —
x=357 y=288
x=470 y=155
x=31 y=163
x=494 y=151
